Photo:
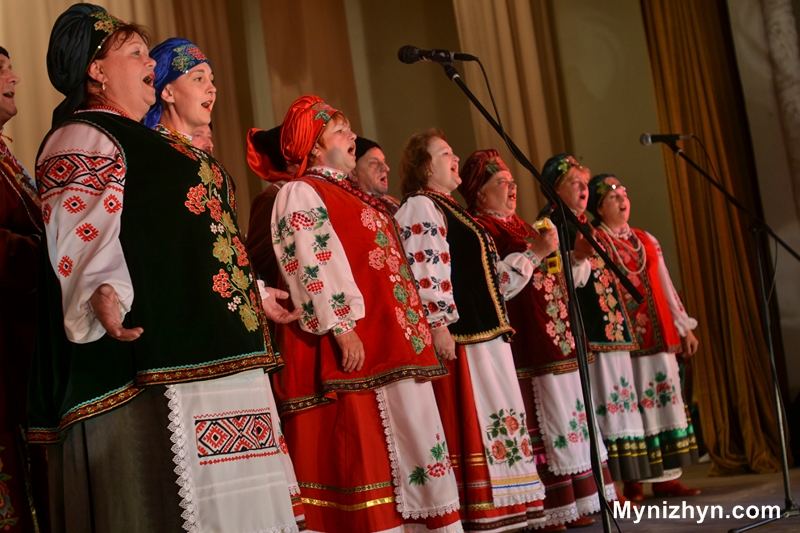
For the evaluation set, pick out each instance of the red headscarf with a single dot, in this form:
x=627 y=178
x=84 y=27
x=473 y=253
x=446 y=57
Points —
x=479 y=168
x=302 y=127
x=264 y=154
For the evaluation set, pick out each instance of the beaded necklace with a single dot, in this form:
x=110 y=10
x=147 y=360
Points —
x=348 y=186
x=108 y=108
x=628 y=239
x=512 y=223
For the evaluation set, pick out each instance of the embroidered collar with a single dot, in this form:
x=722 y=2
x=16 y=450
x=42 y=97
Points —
x=497 y=214
x=330 y=173
x=160 y=128
x=338 y=178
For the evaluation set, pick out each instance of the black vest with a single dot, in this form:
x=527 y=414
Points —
x=194 y=293
x=481 y=309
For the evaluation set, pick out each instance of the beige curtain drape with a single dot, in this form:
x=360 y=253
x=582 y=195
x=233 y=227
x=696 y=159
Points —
x=514 y=41
x=308 y=51
x=25 y=31
x=697 y=90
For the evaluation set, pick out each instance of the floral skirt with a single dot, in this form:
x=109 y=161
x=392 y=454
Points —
x=671 y=443
x=485 y=423
x=557 y=419
x=618 y=417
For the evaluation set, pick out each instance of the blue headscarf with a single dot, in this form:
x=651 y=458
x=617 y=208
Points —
x=174 y=58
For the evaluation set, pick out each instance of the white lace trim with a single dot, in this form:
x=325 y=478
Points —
x=181 y=450
x=397 y=477
x=560 y=515
x=508 y=501
x=548 y=444
x=671 y=427
x=283 y=528
x=591 y=504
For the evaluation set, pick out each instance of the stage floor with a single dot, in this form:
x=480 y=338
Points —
x=727 y=492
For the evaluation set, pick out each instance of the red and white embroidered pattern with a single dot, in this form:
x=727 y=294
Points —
x=65 y=266
x=87 y=232
x=234 y=434
x=112 y=204
x=90 y=174
x=74 y=205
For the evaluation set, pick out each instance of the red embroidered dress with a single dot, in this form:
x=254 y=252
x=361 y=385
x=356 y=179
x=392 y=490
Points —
x=545 y=359
x=369 y=448
x=20 y=233
x=463 y=284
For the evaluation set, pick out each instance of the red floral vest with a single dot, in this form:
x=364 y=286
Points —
x=651 y=321
x=543 y=342
x=397 y=340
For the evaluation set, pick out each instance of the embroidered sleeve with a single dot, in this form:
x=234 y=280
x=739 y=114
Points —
x=313 y=262
x=680 y=317
x=81 y=178
x=515 y=271
x=422 y=228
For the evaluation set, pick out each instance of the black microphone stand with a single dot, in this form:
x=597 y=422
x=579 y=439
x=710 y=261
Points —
x=562 y=217
x=759 y=226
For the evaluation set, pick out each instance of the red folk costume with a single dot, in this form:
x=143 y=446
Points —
x=658 y=324
x=20 y=235
x=545 y=361
x=668 y=430
x=369 y=445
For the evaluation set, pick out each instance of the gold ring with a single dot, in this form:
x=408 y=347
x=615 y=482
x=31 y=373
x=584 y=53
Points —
x=351 y=355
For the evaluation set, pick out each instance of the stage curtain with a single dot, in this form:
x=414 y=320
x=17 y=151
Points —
x=697 y=90
x=513 y=39
x=781 y=31
x=308 y=51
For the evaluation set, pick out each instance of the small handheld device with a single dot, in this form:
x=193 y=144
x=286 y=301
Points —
x=552 y=261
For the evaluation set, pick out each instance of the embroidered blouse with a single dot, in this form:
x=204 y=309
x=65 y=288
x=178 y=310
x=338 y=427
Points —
x=82 y=221
x=423 y=230
x=312 y=260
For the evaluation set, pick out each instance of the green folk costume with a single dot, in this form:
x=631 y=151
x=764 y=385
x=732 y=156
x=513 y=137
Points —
x=195 y=294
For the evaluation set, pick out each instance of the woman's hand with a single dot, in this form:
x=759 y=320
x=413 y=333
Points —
x=443 y=343
x=276 y=312
x=583 y=250
x=690 y=344
x=545 y=244
x=352 y=351
x=105 y=305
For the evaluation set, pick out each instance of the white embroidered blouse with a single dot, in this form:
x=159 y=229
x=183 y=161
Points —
x=428 y=254
x=312 y=260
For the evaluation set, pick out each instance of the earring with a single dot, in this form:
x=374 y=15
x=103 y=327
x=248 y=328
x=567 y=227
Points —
x=103 y=87
x=429 y=174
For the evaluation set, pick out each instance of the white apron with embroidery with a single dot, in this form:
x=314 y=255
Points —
x=659 y=387
x=562 y=422
x=501 y=412
x=423 y=478
x=615 y=398
x=233 y=468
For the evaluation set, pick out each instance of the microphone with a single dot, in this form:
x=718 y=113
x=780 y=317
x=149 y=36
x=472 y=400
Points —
x=411 y=54
x=646 y=139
